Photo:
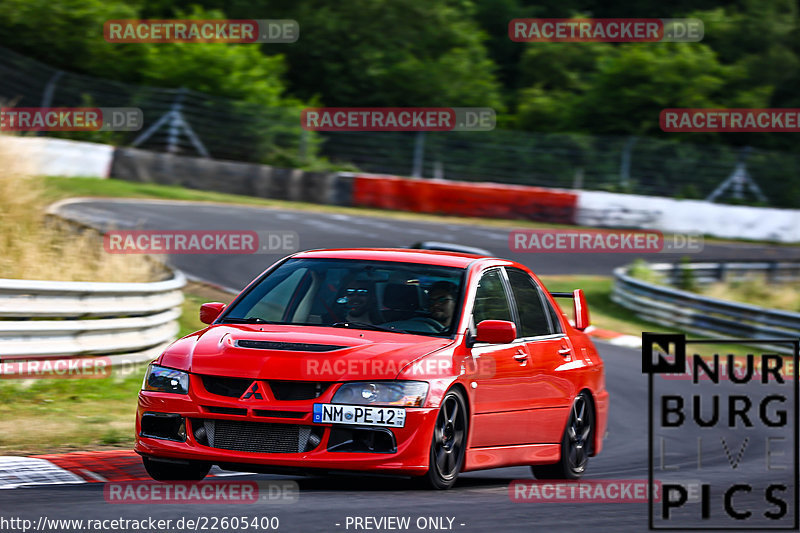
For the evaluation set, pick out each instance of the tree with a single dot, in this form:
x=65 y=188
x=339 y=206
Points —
x=387 y=53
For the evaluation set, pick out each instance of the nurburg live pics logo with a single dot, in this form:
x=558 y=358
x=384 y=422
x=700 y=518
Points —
x=722 y=443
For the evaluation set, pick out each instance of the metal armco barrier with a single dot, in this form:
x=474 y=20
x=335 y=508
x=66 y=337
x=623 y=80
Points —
x=130 y=322
x=711 y=317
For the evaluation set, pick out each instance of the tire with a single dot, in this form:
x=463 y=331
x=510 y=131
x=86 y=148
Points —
x=576 y=444
x=163 y=471
x=449 y=442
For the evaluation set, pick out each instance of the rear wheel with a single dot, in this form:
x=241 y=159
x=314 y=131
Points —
x=163 y=471
x=576 y=444
x=449 y=442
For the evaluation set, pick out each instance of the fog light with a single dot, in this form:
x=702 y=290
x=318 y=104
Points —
x=167 y=426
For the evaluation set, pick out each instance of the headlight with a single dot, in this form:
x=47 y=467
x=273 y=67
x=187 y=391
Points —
x=407 y=393
x=161 y=379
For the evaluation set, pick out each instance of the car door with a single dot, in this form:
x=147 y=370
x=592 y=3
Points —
x=502 y=409
x=550 y=357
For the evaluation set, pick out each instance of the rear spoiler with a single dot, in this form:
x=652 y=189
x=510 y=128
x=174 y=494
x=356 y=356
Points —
x=580 y=307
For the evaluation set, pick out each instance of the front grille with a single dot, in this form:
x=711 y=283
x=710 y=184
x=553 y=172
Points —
x=230 y=387
x=298 y=390
x=259 y=437
x=225 y=410
x=281 y=390
x=279 y=414
x=288 y=346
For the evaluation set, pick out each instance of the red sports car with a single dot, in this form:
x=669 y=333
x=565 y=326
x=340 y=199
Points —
x=410 y=362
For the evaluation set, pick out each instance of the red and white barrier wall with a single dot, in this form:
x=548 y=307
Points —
x=491 y=200
x=595 y=208
x=471 y=199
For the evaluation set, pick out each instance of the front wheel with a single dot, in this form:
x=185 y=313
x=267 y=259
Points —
x=449 y=442
x=576 y=444
x=163 y=471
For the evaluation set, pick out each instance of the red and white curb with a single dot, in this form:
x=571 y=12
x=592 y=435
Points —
x=612 y=337
x=18 y=472
x=70 y=468
x=77 y=468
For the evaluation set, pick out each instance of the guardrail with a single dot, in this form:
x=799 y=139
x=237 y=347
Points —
x=687 y=311
x=131 y=322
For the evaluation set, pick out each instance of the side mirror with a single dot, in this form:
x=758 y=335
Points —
x=210 y=311
x=581 y=310
x=496 y=332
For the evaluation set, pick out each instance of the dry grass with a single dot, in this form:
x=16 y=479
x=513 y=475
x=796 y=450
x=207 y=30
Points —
x=31 y=247
x=756 y=291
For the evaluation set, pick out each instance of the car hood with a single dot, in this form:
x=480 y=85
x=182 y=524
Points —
x=293 y=352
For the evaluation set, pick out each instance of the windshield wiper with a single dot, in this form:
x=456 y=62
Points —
x=364 y=325
x=249 y=320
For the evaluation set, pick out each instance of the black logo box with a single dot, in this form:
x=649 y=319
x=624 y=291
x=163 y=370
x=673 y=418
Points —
x=675 y=345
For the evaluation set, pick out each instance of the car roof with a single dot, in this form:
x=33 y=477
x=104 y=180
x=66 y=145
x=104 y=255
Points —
x=427 y=257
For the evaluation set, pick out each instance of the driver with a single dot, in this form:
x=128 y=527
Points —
x=442 y=302
x=361 y=302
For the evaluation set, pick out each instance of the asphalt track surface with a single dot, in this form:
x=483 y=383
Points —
x=328 y=230
x=480 y=501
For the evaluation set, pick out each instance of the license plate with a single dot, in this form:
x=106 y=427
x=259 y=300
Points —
x=362 y=415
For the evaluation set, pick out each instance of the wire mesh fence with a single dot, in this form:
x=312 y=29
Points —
x=187 y=122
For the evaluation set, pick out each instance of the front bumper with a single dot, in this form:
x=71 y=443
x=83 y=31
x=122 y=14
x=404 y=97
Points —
x=411 y=456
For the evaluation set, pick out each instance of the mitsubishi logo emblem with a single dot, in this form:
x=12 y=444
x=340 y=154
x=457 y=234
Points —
x=253 y=393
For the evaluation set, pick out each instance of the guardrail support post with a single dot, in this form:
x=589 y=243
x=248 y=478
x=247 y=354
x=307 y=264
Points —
x=721 y=271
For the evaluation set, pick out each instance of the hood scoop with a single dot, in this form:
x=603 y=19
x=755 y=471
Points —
x=288 y=346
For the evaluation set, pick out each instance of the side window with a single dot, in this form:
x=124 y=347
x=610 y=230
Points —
x=490 y=299
x=273 y=304
x=553 y=317
x=532 y=314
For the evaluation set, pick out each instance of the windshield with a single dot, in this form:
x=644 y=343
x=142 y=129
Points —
x=372 y=295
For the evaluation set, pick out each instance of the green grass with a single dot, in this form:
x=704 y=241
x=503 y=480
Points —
x=190 y=317
x=58 y=415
